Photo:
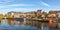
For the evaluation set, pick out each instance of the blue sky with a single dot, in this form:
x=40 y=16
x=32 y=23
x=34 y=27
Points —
x=28 y=5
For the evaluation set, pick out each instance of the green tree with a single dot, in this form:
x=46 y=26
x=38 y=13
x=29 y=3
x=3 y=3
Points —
x=57 y=15
x=46 y=15
x=8 y=16
x=29 y=16
x=39 y=15
x=1 y=15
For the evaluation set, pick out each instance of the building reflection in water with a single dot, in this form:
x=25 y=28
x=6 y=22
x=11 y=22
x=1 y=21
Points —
x=54 y=26
x=13 y=22
x=40 y=25
x=10 y=22
x=44 y=25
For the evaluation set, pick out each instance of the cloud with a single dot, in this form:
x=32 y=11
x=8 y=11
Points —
x=45 y=4
x=21 y=5
x=5 y=1
x=3 y=7
x=14 y=6
x=4 y=11
x=23 y=9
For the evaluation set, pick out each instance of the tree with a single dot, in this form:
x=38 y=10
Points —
x=46 y=15
x=39 y=15
x=57 y=15
x=29 y=16
x=1 y=15
x=8 y=16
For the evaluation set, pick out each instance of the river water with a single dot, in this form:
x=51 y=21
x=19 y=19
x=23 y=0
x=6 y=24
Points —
x=16 y=25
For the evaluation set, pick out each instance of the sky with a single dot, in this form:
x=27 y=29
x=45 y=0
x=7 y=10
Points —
x=28 y=5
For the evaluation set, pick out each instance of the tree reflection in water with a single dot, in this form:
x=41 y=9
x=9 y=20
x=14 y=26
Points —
x=0 y=21
x=12 y=22
x=30 y=24
x=54 y=26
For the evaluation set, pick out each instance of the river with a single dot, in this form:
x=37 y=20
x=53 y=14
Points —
x=17 y=25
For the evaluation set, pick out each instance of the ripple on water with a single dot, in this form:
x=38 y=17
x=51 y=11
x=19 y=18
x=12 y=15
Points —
x=5 y=26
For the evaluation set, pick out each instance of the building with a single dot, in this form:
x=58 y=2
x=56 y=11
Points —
x=31 y=14
x=19 y=14
x=54 y=13
x=16 y=14
x=44 y=13
x=39 y=11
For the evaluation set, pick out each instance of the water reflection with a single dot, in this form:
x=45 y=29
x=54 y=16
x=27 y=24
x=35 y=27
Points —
x=44 y=25
x=54 y=26
x=8 y=24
